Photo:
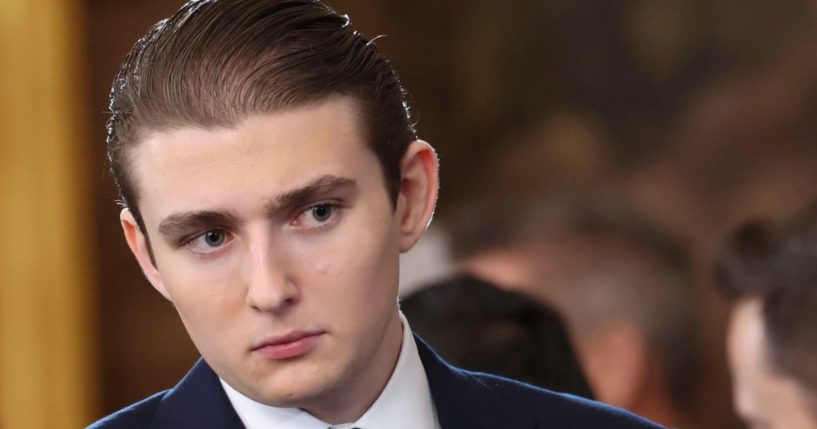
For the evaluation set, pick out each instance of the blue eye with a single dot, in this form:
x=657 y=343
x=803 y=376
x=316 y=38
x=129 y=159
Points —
x=214 y=238
x=322 y=212
x=317 y=217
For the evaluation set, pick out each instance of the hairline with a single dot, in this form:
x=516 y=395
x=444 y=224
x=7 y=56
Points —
x=145 y=131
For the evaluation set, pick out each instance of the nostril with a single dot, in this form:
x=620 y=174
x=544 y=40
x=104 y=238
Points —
x=272 y=292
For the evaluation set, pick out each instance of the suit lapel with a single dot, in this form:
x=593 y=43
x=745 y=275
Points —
x=463 y=400
x=198 y=401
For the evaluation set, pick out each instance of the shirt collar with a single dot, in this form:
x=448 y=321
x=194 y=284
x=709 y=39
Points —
x=405 y=402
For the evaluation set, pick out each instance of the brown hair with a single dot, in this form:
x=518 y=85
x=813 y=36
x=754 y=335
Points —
x=215 y=62
x=777 y=264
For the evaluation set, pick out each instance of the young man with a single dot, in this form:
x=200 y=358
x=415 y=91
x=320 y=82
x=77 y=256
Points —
x=271 y=177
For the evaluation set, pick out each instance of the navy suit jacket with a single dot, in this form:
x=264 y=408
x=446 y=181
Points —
x=463 y=399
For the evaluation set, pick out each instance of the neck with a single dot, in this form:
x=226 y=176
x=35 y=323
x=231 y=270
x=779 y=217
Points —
x=352 y=399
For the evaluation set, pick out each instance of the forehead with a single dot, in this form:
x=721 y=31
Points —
x=189 y=167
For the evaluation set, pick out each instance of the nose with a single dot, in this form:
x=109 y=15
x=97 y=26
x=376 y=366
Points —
x=270 y=285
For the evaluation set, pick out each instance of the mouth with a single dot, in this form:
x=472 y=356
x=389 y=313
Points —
x=288 y=346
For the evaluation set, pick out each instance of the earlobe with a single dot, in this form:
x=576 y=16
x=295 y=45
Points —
x=139 y=246
x=419 y=182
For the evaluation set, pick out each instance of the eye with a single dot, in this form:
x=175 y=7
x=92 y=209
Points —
x=321 y=213
x=318 y=216
x=213 y=238
x=208 y=242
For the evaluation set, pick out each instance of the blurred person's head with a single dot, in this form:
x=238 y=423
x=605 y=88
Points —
x=622 y=284
x=271 y=178
x=769 y=271
x=477 y=326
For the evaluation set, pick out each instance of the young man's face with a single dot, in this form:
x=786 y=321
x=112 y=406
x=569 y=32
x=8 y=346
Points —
x=278 y=244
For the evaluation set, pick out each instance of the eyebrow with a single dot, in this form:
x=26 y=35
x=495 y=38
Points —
x=309 y=193
x=183 y=223
x=179 y=224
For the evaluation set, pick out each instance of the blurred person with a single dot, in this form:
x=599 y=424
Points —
x=271 y=176
x=622 y=284
x=769 y=272
x=477 y=326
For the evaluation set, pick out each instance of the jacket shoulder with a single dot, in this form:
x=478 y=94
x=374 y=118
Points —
x=467 y=399
x=553 y=409
x=135 y=416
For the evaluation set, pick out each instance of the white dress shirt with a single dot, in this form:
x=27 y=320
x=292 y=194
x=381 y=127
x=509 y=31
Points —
x=405 y=402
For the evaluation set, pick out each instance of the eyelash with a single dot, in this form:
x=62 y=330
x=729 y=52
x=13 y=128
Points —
x=334 y=207
x=190 y=243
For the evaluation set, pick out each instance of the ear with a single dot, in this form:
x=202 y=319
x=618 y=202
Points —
x=419 y=180
x=139 y=246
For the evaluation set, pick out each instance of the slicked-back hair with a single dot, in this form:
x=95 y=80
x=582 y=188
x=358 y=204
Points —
x=216 y=62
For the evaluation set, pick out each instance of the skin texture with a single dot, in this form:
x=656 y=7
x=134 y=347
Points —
x=764 y=398
x=303 y=236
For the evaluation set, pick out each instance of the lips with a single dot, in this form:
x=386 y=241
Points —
x=289 y=346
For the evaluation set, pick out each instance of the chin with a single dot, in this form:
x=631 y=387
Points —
x=299 y=396
x=294 y=388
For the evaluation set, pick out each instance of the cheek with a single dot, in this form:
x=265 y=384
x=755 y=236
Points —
x=359 y=264
x=205 y=294
x=376 y=257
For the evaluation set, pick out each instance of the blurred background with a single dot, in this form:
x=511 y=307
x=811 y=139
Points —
x=700 y=114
